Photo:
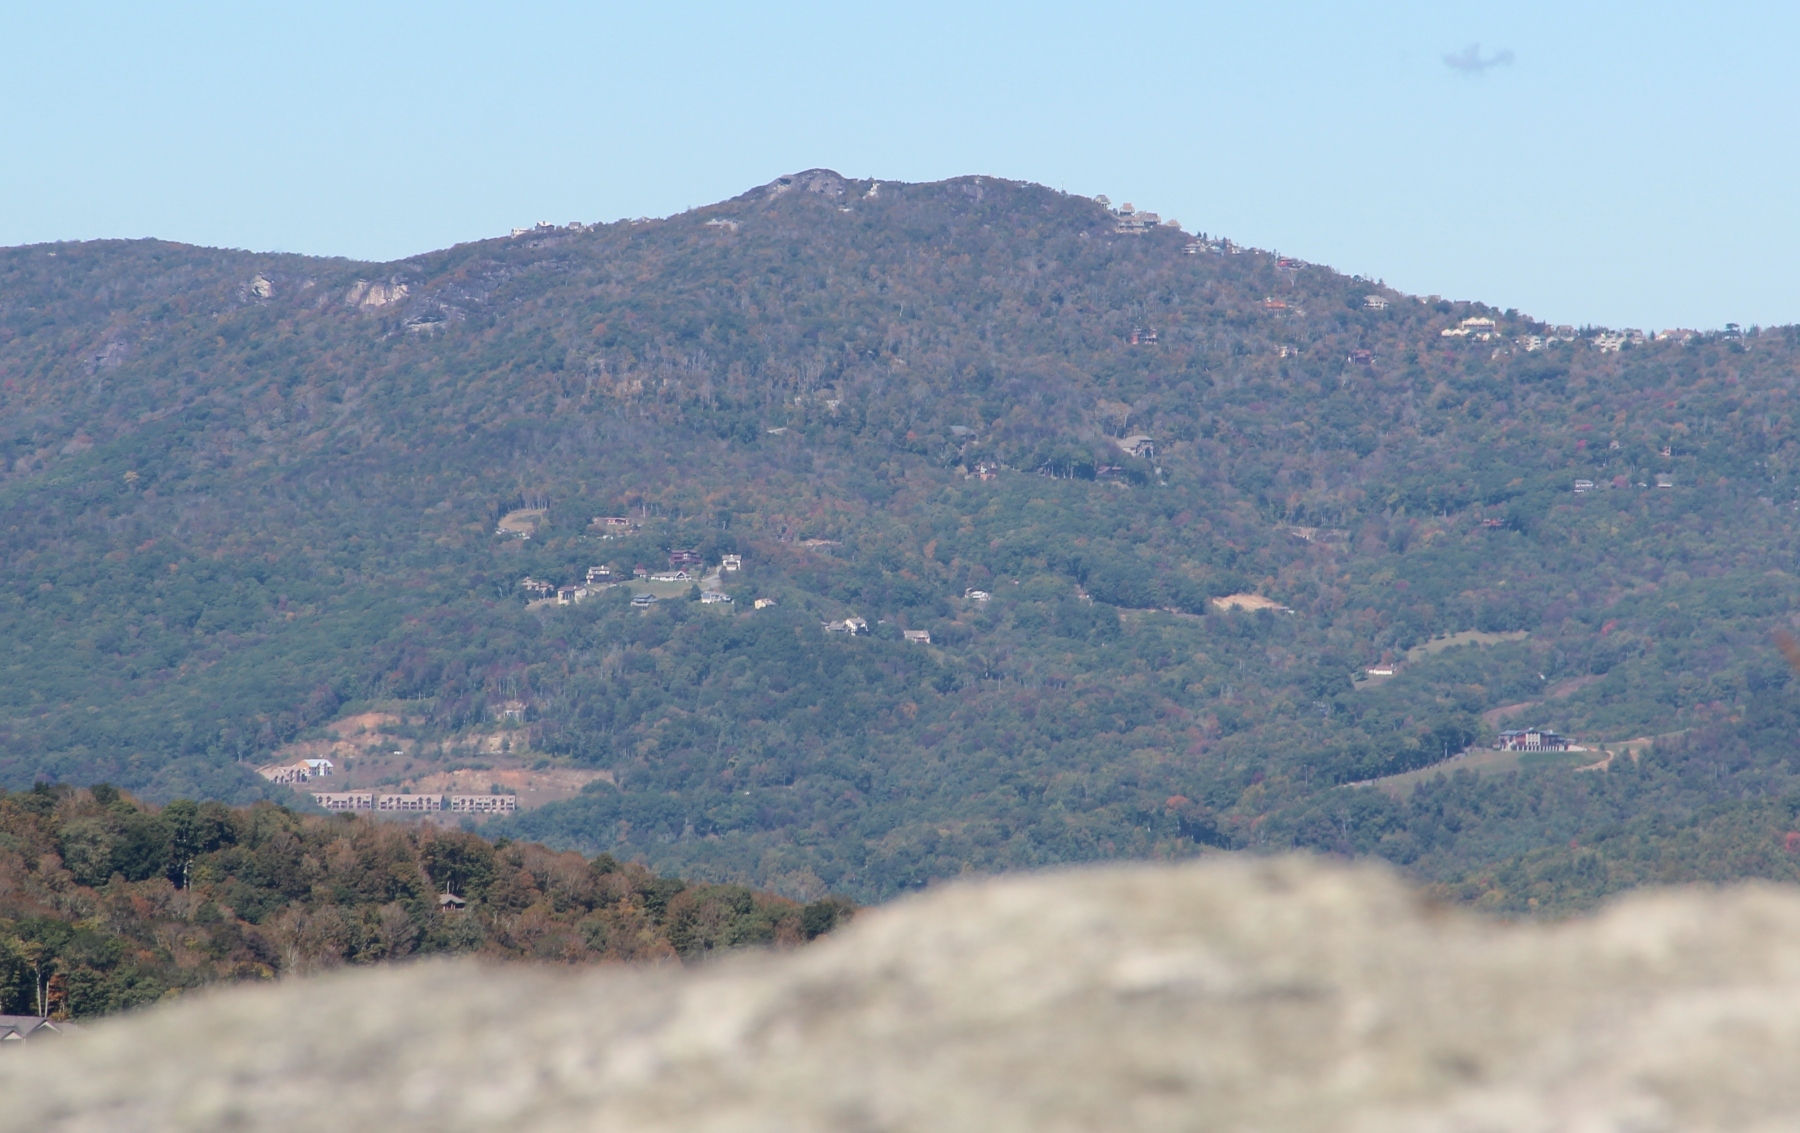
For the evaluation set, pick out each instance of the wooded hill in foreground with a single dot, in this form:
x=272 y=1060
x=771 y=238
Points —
x=244 y=495
x=106 y=903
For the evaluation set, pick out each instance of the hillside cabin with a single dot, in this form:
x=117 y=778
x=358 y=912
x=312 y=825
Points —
x=713 y=597
x=566 y=595
x=672 y=576
x=1374 y=303
x=855 y=627
x=1139 y=446
x=973 y=595
x=919 y=636
x=766 y=603
x=537 y=586
x=680 y=558
x=1380 y=671
x=1664 y=480
x=1532 y=739
x=1361 y=358
x=1582 y=487
x=732 y=563
x=599 y=574
x=642 y=600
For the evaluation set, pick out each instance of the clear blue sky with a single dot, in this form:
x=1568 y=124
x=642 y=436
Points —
x=1628 y=165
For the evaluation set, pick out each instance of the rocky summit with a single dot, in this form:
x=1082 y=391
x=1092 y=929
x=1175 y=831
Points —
x=1230 y=994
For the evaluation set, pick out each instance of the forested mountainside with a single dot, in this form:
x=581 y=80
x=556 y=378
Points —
x=106 y=903
x=246 y=496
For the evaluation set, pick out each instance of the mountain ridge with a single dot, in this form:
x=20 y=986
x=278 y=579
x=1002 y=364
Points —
x=245 y=495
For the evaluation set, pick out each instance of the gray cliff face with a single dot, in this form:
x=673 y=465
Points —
x=1228 y=995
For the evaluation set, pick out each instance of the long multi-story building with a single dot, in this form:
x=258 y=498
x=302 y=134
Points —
x=390 y=803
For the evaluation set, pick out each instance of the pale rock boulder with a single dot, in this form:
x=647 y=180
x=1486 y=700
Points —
x=1242 y=995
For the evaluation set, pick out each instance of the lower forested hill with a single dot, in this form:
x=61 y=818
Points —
x=106 y=903
x=1158 y=501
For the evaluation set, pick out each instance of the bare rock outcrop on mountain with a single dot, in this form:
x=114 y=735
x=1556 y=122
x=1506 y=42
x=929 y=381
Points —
x=1280 y=995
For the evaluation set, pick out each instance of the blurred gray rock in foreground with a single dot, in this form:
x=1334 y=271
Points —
x=1231 y=995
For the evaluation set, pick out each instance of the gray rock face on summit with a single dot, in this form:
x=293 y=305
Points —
x=1279 y=995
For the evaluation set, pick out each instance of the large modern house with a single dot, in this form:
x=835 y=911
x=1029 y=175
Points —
x=1532 y=739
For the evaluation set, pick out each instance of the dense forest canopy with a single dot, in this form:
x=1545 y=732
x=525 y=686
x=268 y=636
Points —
x=106 y=903
x=247 y=495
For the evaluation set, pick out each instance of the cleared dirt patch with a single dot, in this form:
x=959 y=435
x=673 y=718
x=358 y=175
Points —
x=1249 y=602
x=534 y=788
x=520 y=521
x=1466 y=637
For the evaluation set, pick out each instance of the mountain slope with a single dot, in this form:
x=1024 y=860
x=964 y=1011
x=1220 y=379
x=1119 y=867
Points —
x=247 y=494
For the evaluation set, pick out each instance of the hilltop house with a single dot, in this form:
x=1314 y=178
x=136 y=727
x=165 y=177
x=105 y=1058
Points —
x=1532 y=739
x=1479 y=327
x=1129 y=220
x=1375 y=303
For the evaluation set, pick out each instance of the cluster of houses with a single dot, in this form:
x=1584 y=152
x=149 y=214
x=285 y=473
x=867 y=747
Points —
x=388 y=803
x=544 y=228
x=1219 y=247
x=1583 y=487
x=685 y=565
x=1485 y=329
x=293 y=774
